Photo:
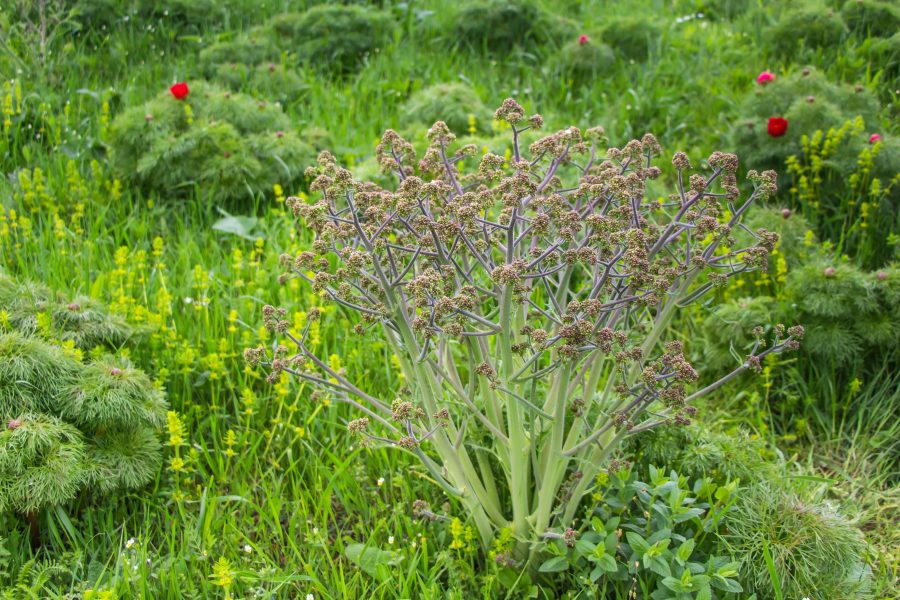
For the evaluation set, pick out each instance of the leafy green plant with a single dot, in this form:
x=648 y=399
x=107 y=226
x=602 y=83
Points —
x=331 y=36
x=634 y=37
x=823 y=28
x=68 y=424
x=35 y=310
x=230 y=145
x=584 y=60
x=802 y=548
x=457 y=103
x=809 y=102
x=97 y=14
x=871 y=17
x=654 y=539
x=526 y=316
x=327 y=38
x=502 y=25
x=853 y=202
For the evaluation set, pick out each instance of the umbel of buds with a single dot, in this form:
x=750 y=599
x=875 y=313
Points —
x=526 y=300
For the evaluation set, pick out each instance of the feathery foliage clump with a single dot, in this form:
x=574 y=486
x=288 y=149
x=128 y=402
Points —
x=822 y=28
x=698 y=451
x=875 y=18
x=584 y=62
x=462 y=109
x=334 y=37
x=633 y=37
x=813 y=549
x=326 y=38
x=850 y=315
x=95 y=14
x=67 y=423
x=231 y=146
x=809 y=101
x=503 y=25
x=34 y=309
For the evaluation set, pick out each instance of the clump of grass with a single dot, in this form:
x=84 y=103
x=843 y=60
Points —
x=810 y=548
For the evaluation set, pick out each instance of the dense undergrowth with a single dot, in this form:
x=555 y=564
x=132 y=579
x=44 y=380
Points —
x=150 y=227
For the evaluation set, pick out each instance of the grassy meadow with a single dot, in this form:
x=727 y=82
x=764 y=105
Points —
x=260 y=490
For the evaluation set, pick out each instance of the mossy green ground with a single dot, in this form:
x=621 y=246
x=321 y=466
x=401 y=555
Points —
x=264 y=478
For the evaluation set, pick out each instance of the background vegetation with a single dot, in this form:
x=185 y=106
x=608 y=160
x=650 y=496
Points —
x=263 y=493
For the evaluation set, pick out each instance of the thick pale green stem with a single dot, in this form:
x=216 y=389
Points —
x=555 y=467
x=519 y=450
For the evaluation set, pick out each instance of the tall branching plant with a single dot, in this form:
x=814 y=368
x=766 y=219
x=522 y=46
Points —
x=526 y=301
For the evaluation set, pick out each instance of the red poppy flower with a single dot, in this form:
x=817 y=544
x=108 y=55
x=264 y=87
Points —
x=179 y=90
x=874 y=138
x=777 y=126
x=765 y=77
x=582 y=40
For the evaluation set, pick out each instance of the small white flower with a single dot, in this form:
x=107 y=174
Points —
x=310 y=597
x=188 y=300
x=390 y=539
x=247 y=548
x=414 y=544
x=380 y=481
x=129 y=543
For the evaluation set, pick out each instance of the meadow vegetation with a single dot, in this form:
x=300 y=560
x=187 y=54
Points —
x=400 y=300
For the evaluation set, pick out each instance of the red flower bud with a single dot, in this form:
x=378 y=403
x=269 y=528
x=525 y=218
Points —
x=881 y=275
x=179 y=90
x=874 y=138
x=582 y=40
x=115 y=371
x=828 y=272
x=777 y=126
x=786 y=213
x=14 y=424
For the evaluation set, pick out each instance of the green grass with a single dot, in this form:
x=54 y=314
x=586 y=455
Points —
x=297 y=490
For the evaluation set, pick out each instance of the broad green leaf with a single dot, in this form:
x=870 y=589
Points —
x=244 y=227
x=373 y=561
x=606 y=563
x=684 y=551
x=554 y=565
x=638 y=544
